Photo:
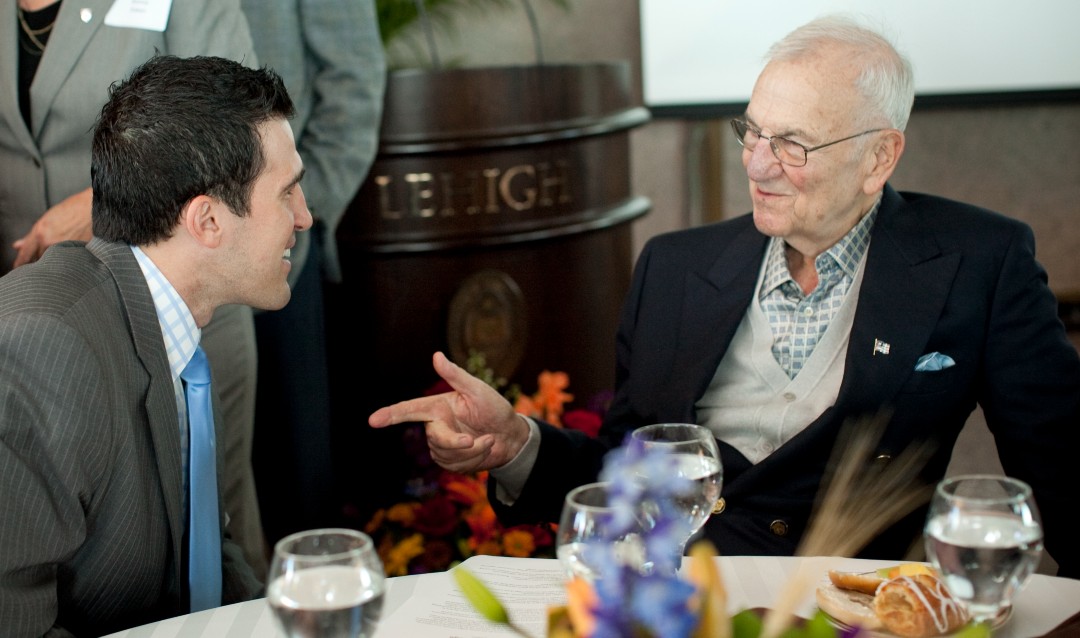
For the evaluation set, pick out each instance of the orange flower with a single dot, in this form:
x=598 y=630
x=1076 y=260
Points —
x=465 y=489
x=482 y=522
x=404 y=513
x=396 y=561
x=550 y=397
x=489 y=548
x=376 y=521
x=518 y=542
x=581 y=600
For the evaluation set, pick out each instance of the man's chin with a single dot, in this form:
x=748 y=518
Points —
x=275 y=303
x=767 y=223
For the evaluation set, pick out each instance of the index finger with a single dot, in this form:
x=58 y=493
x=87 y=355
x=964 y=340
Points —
x=420 y=410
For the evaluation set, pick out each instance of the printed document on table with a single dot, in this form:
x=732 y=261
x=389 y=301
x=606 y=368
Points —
x=527 y=587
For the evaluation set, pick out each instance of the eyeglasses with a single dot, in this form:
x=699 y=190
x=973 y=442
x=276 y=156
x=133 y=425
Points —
x=788 y=152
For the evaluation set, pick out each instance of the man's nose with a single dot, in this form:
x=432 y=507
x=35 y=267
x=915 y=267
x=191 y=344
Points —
x=302 y=220
x=762 y=164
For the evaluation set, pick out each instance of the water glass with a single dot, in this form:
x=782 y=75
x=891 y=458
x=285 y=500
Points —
x=587 y=518
x=696 y=459
x=984 y=536
x=326 y=583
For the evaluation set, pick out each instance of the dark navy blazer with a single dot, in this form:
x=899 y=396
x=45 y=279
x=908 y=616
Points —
x=940 y=276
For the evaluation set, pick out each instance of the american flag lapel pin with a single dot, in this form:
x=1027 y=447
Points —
x=881 y=347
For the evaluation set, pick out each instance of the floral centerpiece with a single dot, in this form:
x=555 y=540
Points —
x=647 y=598
x=444 y=517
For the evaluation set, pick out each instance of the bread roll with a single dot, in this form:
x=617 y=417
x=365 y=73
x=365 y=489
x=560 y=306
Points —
x=918 y=607
x=852 y=608
x=865 y=582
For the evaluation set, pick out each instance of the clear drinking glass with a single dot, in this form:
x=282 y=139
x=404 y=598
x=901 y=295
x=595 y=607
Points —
x=984 y=536
x=585 y=518
x=697 y=459
x=326 y=583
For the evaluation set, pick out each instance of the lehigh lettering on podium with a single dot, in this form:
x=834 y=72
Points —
x=519 y=188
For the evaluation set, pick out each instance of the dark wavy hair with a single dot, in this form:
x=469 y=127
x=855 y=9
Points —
x=178 y=128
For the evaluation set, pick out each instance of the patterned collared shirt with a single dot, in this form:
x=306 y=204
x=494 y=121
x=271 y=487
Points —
x=181 y=336
x=799 y=320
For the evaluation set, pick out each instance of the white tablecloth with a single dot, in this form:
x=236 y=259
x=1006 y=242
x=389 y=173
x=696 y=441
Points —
x=752 y=581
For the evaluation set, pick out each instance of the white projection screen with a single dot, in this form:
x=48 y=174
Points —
x=700 y=57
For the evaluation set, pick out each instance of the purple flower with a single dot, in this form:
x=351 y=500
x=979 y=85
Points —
x=659 y=602
x=637 y=560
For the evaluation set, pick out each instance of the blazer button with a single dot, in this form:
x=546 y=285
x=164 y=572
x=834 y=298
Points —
x=721 y=504
x=778 y=527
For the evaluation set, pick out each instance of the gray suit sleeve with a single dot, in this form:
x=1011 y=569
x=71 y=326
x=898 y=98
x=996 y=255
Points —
x=52 y=455
x=338 y=143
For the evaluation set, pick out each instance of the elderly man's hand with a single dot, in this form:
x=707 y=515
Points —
x=470 y=429
x=70 y=219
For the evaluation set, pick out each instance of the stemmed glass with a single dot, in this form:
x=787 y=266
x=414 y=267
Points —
x=984 y=536
x=587 y=517
x=697 y=459
x=326 y=583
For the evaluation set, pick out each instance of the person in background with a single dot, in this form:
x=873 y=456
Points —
x=330 y=56
x=60 y=58
x=108 y=478
x=836 y=298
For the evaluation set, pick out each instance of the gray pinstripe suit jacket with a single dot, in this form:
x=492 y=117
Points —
x=91 y=532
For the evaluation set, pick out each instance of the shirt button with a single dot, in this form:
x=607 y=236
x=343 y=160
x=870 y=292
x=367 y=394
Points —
x=720 y=506
x=789 y=396
x=778 y=527
x=808 y=311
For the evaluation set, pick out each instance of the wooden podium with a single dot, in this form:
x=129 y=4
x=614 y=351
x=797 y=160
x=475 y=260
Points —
x=495 y=219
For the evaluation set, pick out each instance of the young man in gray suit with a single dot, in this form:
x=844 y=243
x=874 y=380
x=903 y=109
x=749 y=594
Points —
x=196 y=204
x=45 y=138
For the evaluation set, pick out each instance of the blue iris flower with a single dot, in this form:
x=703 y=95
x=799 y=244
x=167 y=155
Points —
x=642 y=595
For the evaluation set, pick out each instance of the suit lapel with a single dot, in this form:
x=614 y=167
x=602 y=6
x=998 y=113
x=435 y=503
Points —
x=69 y=40
x=907 y=281
x=160 y=398
x=714 y=302
x=9 y=78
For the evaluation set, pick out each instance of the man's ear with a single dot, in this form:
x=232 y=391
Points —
x=201 y=218
x=885 y=155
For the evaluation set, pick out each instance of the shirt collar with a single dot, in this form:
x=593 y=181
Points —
x=178 y=327
x=846 y=254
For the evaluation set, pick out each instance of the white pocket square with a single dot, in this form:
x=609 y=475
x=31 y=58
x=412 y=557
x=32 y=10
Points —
x=934 y=361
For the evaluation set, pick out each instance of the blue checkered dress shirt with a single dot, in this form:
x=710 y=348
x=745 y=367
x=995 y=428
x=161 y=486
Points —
x=799 y=320
x=181 y=336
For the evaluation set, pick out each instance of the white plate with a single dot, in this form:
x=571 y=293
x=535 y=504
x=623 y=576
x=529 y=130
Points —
x=1002 y=617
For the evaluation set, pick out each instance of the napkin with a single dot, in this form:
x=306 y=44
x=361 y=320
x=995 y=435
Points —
x=933 y=361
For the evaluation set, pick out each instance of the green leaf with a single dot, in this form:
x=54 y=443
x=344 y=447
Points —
x=973 y=630
x=745 y=624
x=819 y=627
x=480 y=596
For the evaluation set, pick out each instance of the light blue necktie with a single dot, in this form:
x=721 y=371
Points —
x=204 y=532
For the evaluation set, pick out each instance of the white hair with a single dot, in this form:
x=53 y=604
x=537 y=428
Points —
x=886 y=80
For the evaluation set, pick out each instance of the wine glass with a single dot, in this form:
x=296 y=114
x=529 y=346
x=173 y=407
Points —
x=326 y=582
x=697 y=459
x=587 y=518
x=983 y=535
